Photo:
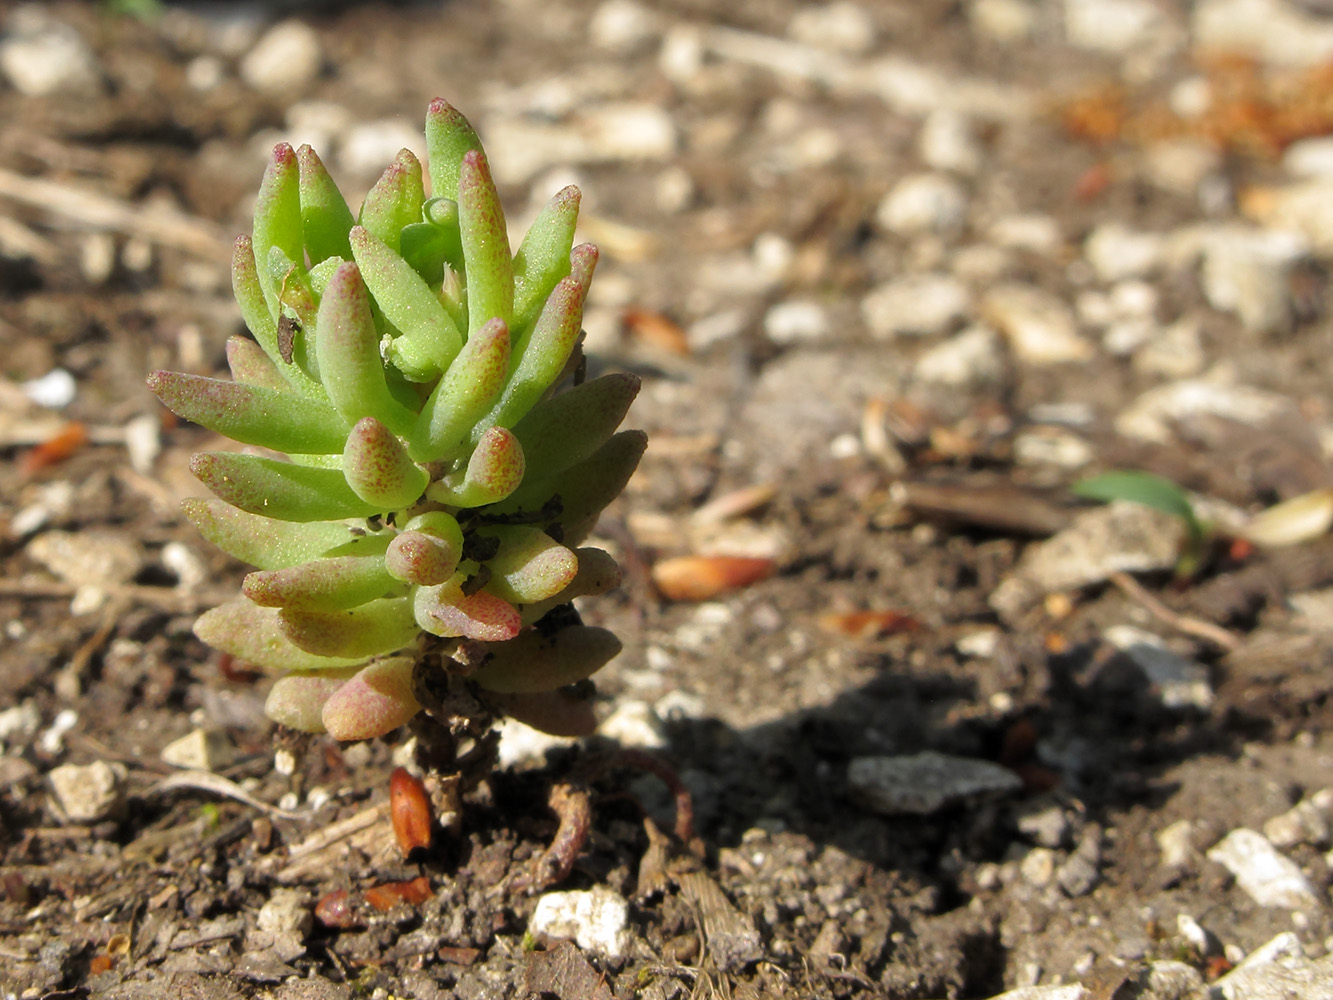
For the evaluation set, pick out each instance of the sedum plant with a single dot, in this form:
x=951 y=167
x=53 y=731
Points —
x=418 y=487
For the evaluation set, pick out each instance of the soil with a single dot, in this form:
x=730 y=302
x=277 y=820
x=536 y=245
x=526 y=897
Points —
x=790 y=885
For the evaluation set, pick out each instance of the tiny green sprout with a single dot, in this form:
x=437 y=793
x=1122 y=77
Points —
x=1160 y=494
x=417 y=482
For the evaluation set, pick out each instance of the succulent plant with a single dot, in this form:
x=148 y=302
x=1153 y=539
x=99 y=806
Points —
x=416 y=535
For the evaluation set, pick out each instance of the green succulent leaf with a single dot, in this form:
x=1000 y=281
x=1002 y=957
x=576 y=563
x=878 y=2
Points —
x=395 y=201
x=529 y=565
x=262 y=541
x=428 y=339
x=563 y=712
x=252 y=414
x=542 y=259
x=253 y=634
x=251 y=366
x=278 y=217
x=565 y=429
x=534 y=661
x=349 y=354
x=486 y=259
x=598 y=573
x=379 y=626
x=281 y=490
x=378 y=468
x=297 y=700
x=446 y=611
x=422 y=559
x=1143 y=488
x=377 y=700
x=327 y=584
x=449 y=137
x=463 y=395
x=493 y=472
x=325 y=217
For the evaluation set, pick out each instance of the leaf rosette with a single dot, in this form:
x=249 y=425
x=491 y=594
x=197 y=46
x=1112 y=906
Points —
x=428 y=480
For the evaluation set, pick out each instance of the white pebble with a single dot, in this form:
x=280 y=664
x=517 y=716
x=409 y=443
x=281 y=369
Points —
x=972 y=358
x=42 y=57
x=596 y=920
x=199 y=749
x=369 y=147
x=623 y=26
x=1266 y=876
x=634 y=724
x=54 y=390
x=285 y=59
x=87 y=793
x=923 y=203
x=1040 y=327
x=948 y=142
x=840 y=26
x=1117 y=252
x=796 y=321
x=915 y=305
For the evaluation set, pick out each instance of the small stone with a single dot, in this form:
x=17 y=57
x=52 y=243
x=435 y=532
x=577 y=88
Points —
x=42 y=56
x=1052 y=446
x=1154 y=414
x=596 y=920
x=54 y=390
x=1178 y=682
x=1032 y=232
x=201 y=749
x=923 y=203
x=1274 y=31
x=1176 y=842
x=188 y=568
x=87 y=558
x=1171 y=980
x=88 y=793
x=205 y=73
x=1046 y=826
x=1040 y=327
x=948 y=142
x=286 y=912
x=1080 y=873
x=1307 y=822
x=1265 y=875
x=285 y=60
x=1003 y=21
x=796 y=321
x=367 y=148
x=1278 y=970
x=1175 y=353
x=973 y=358
x=19 y=723
x=1310 y=157
x=1181 y=165
x=1247 y=273
x=915 y=305
x=634 y=724
x=521 y=744
x=1117 y=252
x=1114 y=26
x=97 y=257
x=926 y=782
x=840 y=26
x=623 y=26
x=1038 y=867
x=1304 y=208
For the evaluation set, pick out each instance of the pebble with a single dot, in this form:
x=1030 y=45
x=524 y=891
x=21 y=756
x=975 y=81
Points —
x=285 y=60
x=1154 y=414
x=1118 y=537
x=1266 y=876
x=799 y=320
x=1176 y=352
x=948 y=142
x=1052 y=446
x=1303 y=207
x=1038 y=867
x=1307 y=822
x=1278 y=970
x=200 y=749
x=1080 y=872
x=923 y=203
x=923 y=783
x=520 y=744
x=1045 y=826
x=52 y=740
x=915 y=305
x=520 y=149
x=634 y=724
x=1176 y=844
x=1309 y=157
x=1033 y=232
x=1117 y=252
x=1004 y=21
x=287 y=911
x=88 y=793
x=54 y=390
x=1040 y=327
x=596 y=920
x=97 y=558
x=973 y=358
x=623 y=27
x=42 y=57
x=1178 y=682
x=1246 y=273
x=841 y=27
x=1117 y=27
x=1271 y=30
x=367 y=148
x=19 y=723
x=1167 y=979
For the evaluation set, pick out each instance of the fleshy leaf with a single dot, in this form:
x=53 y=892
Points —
x=598 y=572
x=422 y=559
x=465 y=392
x=378 y=469
x=380 y=626
x=376 y=701
x=543 y=257
x=249 y=365
x=529 y=565
x=251 y=633
x=260 y=317
x=328 y=584
x=446 y=611
x=449 y=136
x=535 y=661
x=493 y=472
x=486 y=259
x=429 y=340
x=563 y=712
x=282 y=490
x=252 y=414
x=262 y=541
x=565 y=429
x=537 y=363
x=395 y=201
x=278 y=217
x=349 y=354
x=325 y=217
x=297 y=700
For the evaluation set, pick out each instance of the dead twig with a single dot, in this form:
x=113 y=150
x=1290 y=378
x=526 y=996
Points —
x=207 y=781
x=1215 y=634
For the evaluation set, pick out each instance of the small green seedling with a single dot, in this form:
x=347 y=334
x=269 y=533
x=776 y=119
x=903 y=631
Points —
x=1161 y=494
x=416 y=489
